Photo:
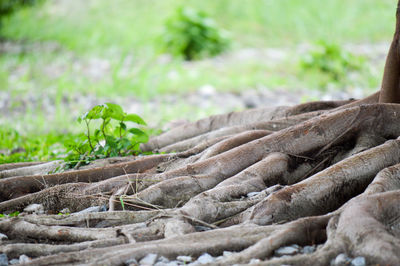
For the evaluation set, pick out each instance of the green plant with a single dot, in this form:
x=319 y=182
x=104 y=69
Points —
x=13 y=214
x=7 y=7
x=331 y=60
x=111 y=138
x=193 y=35
x=22 y=147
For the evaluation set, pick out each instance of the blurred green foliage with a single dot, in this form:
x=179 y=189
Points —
x=16 y=147
x=193 y=34
x=7 y=7
x=331 y=60
x=57 y=46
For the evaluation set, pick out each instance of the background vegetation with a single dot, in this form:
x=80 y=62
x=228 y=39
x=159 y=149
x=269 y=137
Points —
x=61 y=57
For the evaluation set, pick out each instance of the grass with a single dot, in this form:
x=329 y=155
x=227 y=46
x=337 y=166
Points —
x=63 y=43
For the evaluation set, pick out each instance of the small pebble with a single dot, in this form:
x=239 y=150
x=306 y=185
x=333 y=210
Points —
x=149 y=259
x=358 y=261
x=200 y=228
x=227 y=253
x=131 y=261
x=252 y=194
x=3 y=236
x=34 y=208
x=308 y=249
x=341 y=259
x=3 y=259
x=14 y=261
x=65 y=211
x=286 y=251
x=254 y=261
x=24 y=259
x=205 y=258
x=163 y=259
x=91 y=209
x=161 y=263
x=185 y=259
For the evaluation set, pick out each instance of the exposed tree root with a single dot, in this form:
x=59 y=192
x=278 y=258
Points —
x=324 y=173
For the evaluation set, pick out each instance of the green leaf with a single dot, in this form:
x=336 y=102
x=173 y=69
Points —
x=135 y=118
x=14 y=214
x=94 y=113
x=113 y=111
x=121 y=199
x=122 y=125
x=140 y=136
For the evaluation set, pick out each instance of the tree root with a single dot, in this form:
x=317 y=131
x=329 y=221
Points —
x=326 y=174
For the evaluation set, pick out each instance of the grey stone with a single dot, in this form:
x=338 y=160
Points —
x=3 y=259
x=91 y=209
x=252 y=194
x=200 y=228
x=163 y=259
x=358 y=261
x=185 y=259
x=24 y=259
x=227 y=253
x=14 y=261
x=295 y=246
x=149 y=259
x=3 y=236
x=341 y=259
x=289 y=250
x=131 y=261
x=205 y=258
x=254 y=261
x=308 y=249
x=34 y=208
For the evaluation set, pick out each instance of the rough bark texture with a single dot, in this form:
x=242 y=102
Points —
x=325 y=173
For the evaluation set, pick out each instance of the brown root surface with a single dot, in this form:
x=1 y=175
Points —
x=324 y=174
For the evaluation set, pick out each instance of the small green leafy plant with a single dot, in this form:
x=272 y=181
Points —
x=13 y=214
x=331 y=60
x=193 y=35
x=111 y=138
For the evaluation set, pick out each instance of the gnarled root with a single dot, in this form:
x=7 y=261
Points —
x=320 y=174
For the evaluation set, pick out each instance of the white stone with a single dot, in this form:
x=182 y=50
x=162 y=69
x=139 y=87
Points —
x=3 y=236
x=341 y=259
x=149 y=259
x=252 y=194
x=34 y=208
x=24 y=259
x=358 y=261
x=205 y=258
x=286 y=251
x=184 y=258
